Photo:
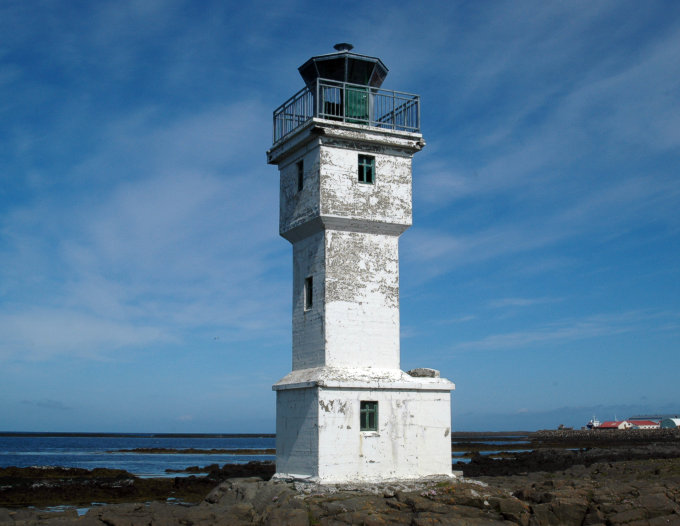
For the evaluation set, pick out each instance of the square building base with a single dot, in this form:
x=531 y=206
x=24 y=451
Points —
x=318 y=435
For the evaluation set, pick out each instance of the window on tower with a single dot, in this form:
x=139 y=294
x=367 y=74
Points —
x=309 y=292
x=369 y=416
x=366 y=169
x=300 y=175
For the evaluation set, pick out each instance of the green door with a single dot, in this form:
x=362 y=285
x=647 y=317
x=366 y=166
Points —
x=356 y=105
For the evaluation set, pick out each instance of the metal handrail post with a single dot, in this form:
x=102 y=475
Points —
x=394 y=115
x=418 y=123
x=317 y=100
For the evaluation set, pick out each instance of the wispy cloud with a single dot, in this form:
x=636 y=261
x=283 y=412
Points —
x=598 y=216
x=569 y=330
x=172 y=247
x=40 y=333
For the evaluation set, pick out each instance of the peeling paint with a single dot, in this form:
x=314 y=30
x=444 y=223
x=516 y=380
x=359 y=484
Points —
x=326 y=406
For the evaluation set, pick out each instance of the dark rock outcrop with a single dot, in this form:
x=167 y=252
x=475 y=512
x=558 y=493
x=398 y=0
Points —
x=623 y=490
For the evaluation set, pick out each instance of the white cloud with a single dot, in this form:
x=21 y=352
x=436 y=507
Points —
x=187 y=240
x=39 y=333
x=568 y=330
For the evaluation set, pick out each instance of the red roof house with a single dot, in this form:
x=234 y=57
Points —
x=615 y=424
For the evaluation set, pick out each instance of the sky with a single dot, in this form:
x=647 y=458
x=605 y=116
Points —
x=143 y=283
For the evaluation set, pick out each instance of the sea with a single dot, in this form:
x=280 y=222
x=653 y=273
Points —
x=89 y=451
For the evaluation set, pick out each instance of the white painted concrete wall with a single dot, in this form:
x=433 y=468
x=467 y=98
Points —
x=388 y=200
x=308 y=325
x=298 y=207
x=354 y=319
x=413 y=438
x=297 y=437
x=362 y=300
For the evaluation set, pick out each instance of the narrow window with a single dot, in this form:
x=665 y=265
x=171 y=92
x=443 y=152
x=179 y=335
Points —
x=366 y=169
x=369 y=416
x=300 y=175
x=309 y=291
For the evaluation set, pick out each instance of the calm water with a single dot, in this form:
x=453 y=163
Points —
x=92 y=452
x=105 y=451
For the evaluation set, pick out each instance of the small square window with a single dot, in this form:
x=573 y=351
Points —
x=300 y=175
x=309 y=292
x=369 y=416
x=366 y=169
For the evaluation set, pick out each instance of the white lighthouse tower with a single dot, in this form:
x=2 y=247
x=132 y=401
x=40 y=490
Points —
x=347 y=412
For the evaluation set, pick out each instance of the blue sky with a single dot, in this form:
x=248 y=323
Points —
x=143 y=284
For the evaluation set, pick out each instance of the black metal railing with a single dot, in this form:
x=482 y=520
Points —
x=353 y=103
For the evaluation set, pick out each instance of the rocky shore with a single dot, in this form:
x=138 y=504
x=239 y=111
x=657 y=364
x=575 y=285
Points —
x=633 y=483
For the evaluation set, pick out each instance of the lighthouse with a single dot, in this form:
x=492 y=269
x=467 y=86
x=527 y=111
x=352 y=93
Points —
x=347 y=412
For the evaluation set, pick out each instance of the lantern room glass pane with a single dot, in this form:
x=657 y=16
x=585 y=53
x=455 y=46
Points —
x=359 y=71
x=333 y=69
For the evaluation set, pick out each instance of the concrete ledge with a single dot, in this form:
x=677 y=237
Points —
x=326 y=130
x=308 y=227
x=369 y=379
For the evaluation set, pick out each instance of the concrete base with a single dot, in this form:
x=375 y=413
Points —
x=318 y=436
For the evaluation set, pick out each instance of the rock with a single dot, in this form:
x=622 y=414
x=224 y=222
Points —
x=418 y=503
x=287 y=517
x=375 y=520
x=664 y=520
x=423 y=372
x=569 y=510
x=233 y=490
x=559 y=512
x=428 y=519
x=472 y=498
x=397 y=505
x=124 y=515
x=623 y=517
x=656 y=505
x=513 y=509
x=534 y=495
x=594 y=517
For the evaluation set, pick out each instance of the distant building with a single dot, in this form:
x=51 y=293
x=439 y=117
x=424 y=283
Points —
x=644 y=424
x=615 y=424
x=654 y=417
x=670 y=423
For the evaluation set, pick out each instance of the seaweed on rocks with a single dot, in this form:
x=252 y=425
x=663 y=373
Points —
x=552 y=459
x=50 y=486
